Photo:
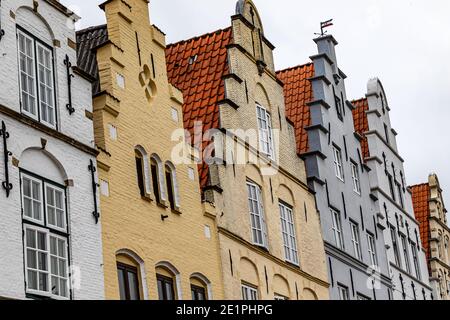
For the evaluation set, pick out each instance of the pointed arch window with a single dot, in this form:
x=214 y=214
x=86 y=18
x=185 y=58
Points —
x=157 y=171
x=142 y=172
x=172 y=186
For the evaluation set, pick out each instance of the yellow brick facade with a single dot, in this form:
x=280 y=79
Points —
x=137 y=101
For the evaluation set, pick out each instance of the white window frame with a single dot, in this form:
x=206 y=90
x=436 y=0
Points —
x=406 y=253
x=266 y=143
x=372 y=249
x=288 y=233
x=36 y=43
x=49 y=272
x=55 y=188
x=32 y=179
x=415 y=256
x=338 y=167
x=356 y=240
x=344 y=293
x=337 y=229
x=249 y=291
x=257 y=216
x=355 y=178
x=395 y=249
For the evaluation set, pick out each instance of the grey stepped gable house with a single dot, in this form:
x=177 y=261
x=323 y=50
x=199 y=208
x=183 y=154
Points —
x=353 y=235
x=406 y=255
x=47 y=228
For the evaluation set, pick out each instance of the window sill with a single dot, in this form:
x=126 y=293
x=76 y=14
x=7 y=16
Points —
x=177 y=211
x=147 y=198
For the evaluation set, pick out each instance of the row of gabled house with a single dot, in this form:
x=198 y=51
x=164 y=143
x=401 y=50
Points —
x=133 y=169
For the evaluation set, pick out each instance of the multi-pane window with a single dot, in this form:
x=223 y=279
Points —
x=343 y=293
x=128 y=282
x=289 y=234
x=249 y=292
x=337 y=229
x=355 y=178
x=256 y=209
x=372 y=249
x=45 y=238
x=405 y=253
x=198 y=293
x=339 y=109
x=337 y=159
x=415 y=260
x=400 y=194
x=391 y=186
x=266 y=142
x=395 y=247
x=165 y=288
x=37 y=94
x=356 y=241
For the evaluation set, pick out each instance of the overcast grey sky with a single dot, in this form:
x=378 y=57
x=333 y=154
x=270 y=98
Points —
x=406 y=43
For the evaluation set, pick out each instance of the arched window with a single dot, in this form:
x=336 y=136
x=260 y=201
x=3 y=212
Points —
x=130 y=276
x=142 y=171
x=200 y=287
x=168 y=282
x=172 y=186
x=158 y=178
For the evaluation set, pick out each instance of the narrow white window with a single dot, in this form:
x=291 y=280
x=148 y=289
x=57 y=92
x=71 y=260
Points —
x=343 y=293
x=415 y=260
x=55 y=207
x=405 y=253
x=120 y=79
x=256 y=209
x=36 y=260
x=355 y=178
x=372 y=249
x=174 y=113
x=356 y=241
x=32 y=199
x=59 y=266
x=112 y=132
x=46 y=92
x=249 y=293
x=289 y=234
x=337 y=158
x=266 y=144
x=27 y=75
x=337 y=229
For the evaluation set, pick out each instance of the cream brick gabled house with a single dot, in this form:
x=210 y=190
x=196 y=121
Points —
x=253 y=183
x=431 y=214
x=50 y=235
x=157 y=241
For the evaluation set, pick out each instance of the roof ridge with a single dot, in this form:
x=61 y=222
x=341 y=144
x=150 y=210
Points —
x=420 y=185
x=295 y=67
x=198 y=37
x=360 y=99
x=92 y=28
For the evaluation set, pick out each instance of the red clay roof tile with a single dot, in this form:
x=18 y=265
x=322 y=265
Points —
x=298 y=92
x=421 y=197
x=361 y=123
x=200 y=81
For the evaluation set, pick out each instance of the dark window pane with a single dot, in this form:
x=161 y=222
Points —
x=140 y=175
x=133 y=286
x=155 y=178
x=170 y=189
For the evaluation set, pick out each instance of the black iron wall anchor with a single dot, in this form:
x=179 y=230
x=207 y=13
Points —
x=6 y=184
x=95 y=185
x=68 y=65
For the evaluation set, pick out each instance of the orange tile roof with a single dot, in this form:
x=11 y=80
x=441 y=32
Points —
x=361 y=123
x=196 y=67
x=298 y=92
x=421 y=197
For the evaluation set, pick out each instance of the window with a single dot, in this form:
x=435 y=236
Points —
x=405 y=253
x=343 y=292
x=128 y=282
x=338 y=169
x=386 y=133
x=198 y=293
x=395 y=247
x=45 y=238
x=37 y=95
x=249 y=292
x=361 y=297
x=391 y=186
x=337 y=229
x=258 y=223
x=140 y=174
x=265 y=131
x=155 y=180
x=289 y=234
x=372 y=249
x=339 y=110
x=415 y=260
x=355 y=178
x=172 y=186
x=356 y=241
x=165 y=288
x=400 y=194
